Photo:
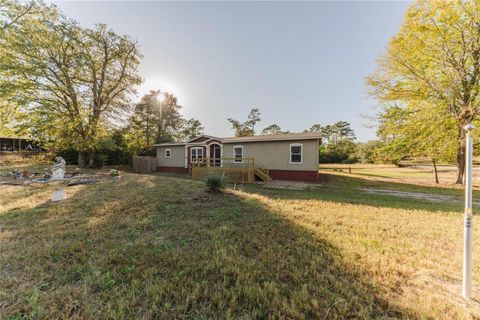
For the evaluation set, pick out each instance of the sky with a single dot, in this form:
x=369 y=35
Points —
x=300 y=63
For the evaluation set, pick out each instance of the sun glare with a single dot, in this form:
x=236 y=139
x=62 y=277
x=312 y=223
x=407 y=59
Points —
x=162 y=84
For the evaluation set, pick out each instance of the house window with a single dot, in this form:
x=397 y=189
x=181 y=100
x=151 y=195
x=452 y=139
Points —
x=168 y=153
x=296 y=153
x=196 y=153
x=238 y=153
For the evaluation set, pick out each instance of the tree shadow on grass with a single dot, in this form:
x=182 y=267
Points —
x=354 y=190
x=355 y=179
x=159 y=247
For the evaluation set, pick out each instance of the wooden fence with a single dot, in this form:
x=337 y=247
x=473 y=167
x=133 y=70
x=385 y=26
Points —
x=144 y=164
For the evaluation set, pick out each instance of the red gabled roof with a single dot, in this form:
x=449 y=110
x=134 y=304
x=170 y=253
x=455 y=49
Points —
x=204 y=137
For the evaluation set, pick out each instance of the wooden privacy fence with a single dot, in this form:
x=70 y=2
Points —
x=144 y=164
x=231 y=169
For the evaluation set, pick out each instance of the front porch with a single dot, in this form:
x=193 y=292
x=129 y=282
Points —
x=240 y=170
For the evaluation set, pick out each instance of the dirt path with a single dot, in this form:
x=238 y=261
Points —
x=416 y=195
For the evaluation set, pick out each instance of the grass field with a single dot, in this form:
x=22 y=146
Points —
x=415 y=174
x=159 y=247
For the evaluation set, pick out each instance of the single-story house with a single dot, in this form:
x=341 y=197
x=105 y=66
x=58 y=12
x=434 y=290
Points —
x=284 y=156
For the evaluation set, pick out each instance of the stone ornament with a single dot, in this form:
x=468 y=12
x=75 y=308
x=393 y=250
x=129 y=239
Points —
x=57 y=171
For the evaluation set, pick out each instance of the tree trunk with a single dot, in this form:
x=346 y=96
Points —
x=91 y=161
x=81 y=159
x=460 y=155
x=435 y=170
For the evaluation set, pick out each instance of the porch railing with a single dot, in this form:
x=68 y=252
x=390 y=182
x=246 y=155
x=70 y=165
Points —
x=231 y=169
x=223 y=162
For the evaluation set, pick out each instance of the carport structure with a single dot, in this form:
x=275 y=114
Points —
x=15 y=144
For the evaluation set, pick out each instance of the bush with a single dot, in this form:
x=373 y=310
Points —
x=366 y=151
x=111 y=151
x=341 y=152
x=70 y=155
x=214 y=183
x=99 y=160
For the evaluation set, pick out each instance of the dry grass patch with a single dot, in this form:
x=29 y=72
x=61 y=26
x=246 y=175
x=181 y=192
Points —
x=151 y=247
x=418 y=174
x=400 y=251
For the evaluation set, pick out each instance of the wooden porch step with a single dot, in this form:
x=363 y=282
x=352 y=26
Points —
x=262 y=174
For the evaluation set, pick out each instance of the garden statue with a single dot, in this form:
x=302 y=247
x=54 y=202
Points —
x=57 y=171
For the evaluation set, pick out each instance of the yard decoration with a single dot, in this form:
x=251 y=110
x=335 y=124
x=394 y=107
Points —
x=57 y=171
x=55 y=176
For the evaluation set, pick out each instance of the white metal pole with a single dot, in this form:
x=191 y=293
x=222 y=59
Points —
x=467 y=245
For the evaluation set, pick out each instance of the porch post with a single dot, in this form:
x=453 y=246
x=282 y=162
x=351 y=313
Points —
x=186 y=156
x=207 y=156
x=221 y=155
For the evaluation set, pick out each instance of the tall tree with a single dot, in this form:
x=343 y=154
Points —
x=189 y=129
x=145 y=121
x=343 y=131
x=315 y=128
x=333 y=133
x=74 y=81
x=156 y=118
x=416 y=131
x=434 y=61
x=247 y=128
x=273 y=129
x=110 y=76
x=12 y=12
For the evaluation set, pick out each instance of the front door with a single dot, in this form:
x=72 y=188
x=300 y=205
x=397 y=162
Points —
x=215 y=154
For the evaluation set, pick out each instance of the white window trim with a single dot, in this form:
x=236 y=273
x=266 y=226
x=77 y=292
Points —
x=234 y=158
x=191 y=153
x=301 y=152
x=170 y=151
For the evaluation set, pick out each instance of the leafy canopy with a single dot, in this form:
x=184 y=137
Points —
x=433 y=63
x=69 y=84
x=246 y=128
x=155 y=119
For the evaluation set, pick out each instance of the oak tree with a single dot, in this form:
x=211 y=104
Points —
x=74 y=83
x=434 y=62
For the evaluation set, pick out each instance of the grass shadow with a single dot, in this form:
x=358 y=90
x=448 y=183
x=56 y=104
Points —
x=155 y=247
x=352 y=190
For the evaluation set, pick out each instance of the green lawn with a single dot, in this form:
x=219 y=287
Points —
x=417 y=174
x=159 y=247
